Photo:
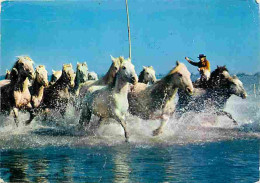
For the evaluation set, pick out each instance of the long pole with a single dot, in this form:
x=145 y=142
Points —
x=128 y=26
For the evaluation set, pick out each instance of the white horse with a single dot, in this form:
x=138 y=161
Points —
x=111 y=101
x=157 y=101
x=147 y=75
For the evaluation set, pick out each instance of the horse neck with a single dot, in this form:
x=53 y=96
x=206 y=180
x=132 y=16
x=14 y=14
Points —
x=61 y=83
x=37 y=88
x=77 y=80
x=22 y=83
x=141 y=78
x=121 y=86
x=163 y=91
x=220 y=96
x=108 y=78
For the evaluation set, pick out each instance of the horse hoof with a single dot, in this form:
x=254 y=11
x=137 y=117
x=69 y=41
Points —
x=127 y=140
x=157 y=132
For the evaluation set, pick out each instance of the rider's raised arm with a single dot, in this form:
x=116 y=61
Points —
x=191 y=62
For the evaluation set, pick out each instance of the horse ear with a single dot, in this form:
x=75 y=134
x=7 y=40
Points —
x=151 y=67
x=78 y=63
x=85 y=63
x=235 y=77
x=177 y=63
x=112 y=58
x=70 y=64
x=144 y=67
x=129 y=59
x=53 y=71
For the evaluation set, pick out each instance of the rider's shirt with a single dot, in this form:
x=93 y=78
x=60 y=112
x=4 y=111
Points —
x=202 y=65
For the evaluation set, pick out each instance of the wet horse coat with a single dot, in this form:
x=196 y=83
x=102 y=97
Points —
x=156 y=101
x=220 y=87
x=111 y=101
x=16 y=95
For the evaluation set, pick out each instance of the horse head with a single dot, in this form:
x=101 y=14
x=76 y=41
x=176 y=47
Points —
x=82 y=72
x=24 y=67
x=147 y=75
x=127 y=71
x=92 y=76
x=114 y=68
x=221 y=79
x=180 y=78
x=68 y=74
x=235 y=87
x=42 y=75
x=55 y=76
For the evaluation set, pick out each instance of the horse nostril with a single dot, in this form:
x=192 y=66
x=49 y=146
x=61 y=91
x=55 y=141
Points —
x=189 y=90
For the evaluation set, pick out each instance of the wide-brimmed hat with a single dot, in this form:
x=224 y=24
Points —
x=201 y=56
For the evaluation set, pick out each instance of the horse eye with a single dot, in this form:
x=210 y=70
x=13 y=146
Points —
x=180 y=74
x=123 y=68
x=115 y=68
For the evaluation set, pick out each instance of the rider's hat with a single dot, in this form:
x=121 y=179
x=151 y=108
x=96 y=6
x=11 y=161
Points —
x=201 y=55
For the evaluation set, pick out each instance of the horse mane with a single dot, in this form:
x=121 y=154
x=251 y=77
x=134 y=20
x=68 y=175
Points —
x=159 y=86
x=218 y=71
x=173 y=71
x=66 y=66
x=215 y=76
x=141 y=76
x=40 y=67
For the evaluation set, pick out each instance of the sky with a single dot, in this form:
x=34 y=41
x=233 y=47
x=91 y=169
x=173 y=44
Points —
x=162 y=31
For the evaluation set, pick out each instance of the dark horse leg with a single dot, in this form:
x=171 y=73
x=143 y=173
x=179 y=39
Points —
x=32 y=115
x=85 y=117
x=228 y=115
x=15 y=112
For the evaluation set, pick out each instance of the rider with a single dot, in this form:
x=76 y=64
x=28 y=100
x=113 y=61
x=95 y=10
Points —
x=203 y=67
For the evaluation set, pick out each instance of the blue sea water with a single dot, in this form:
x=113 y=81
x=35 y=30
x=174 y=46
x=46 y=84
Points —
x=196 y=148
x=225 y=161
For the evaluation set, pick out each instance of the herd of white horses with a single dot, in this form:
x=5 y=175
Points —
x=115 y=95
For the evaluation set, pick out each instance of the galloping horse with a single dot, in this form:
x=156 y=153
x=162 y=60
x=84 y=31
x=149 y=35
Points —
x=156 y=101
x=37 y=90
x=16 y=94
x=57 y=95
x=147 y=75
x=220 y=88
x=111 y=101
x=40 y=82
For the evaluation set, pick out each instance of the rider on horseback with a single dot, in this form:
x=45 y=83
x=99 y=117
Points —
x=203 y=67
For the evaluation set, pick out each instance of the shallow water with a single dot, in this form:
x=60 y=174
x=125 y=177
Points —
x=226 y=161
x=196 y=148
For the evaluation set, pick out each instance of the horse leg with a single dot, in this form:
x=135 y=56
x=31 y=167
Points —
x=228 y=115
x=164 y=120
x=123 y=124
x=32 y=115
x=15 y=110
x=85 y=116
